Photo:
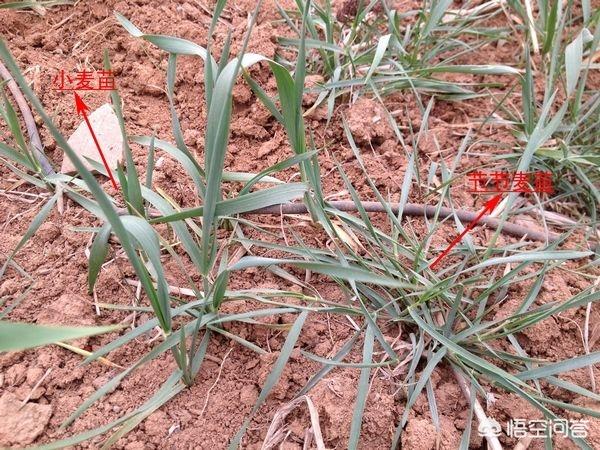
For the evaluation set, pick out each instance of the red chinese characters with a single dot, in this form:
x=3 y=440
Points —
x=502 y=181
x=84 y=80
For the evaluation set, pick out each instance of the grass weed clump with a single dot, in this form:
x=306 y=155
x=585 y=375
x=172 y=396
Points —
x=448 y=314
x=382 y=50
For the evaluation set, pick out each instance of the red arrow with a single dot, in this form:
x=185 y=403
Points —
x=489 y=206
x=82 y=109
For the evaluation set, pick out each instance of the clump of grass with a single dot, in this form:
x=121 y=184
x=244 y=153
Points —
x=448 y=312
x=569 y=110
x=465 y=293
x=143 y=245
x=386 y=50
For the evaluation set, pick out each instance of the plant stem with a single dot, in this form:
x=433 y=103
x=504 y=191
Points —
x=32 y=131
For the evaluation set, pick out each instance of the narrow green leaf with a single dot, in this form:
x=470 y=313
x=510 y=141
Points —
x=219 y=289
x=244 y=203
x=21 y=336
x=573 y=61
x=98 y=253
x=34 y=3
x=274 y=376
x=170 y=388
x=195 y=172
x=144 y=234
x=132 y=191
x=438 y=9
x=296 y=159
x=37 y=221
x=150 y=163
x=263 y=97
x=167 y=43
x=349 y=273
x=363 y=390
x=531 y=256
x=560 y=367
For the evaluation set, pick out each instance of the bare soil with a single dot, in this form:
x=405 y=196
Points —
x=209 y=413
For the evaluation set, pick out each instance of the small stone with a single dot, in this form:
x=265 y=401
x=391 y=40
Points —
x=366 y=120
x=152 y=90
x=108 y=132
x=21 y=425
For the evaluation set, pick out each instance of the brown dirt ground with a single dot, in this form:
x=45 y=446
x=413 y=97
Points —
x=209 y=413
